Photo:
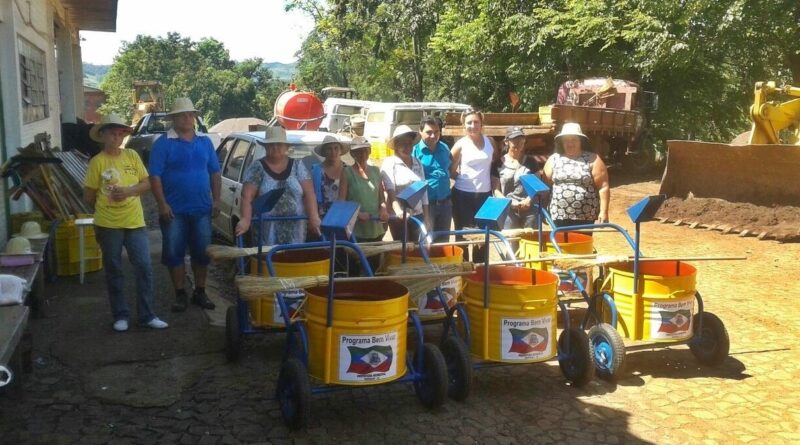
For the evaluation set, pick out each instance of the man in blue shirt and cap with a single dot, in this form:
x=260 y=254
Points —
x=434 y=155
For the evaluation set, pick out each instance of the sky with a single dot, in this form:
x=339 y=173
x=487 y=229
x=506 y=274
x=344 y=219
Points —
x=247 y=28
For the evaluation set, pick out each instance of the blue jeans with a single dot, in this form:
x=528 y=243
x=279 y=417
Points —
x=441 y=213
x=136 y=244
x=192 y=229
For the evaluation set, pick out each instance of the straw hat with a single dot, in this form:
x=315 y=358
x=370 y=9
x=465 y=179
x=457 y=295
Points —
x=109 y=121
x=182 y=105
x=359 y=143
x=18 y=245
x=274 y=135
x=402 y=131
x=330 y=140
x=31 y=230
x=571 y=129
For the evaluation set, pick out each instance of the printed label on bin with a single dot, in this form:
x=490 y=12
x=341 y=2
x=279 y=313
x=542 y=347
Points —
x=671 y=319
x=526 y=338
x=429 y=304
x=293 y=298
x=364 y=358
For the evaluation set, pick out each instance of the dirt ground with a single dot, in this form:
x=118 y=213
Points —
x=750 y=397
x=781 y=222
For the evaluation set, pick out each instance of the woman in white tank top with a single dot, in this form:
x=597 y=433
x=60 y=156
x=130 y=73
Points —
x=472 y=169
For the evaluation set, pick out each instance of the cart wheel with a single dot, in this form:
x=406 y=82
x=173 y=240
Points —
x=609 y=351
x=578 y=364
x=459 y=368
x=233 y=339
x=711 y=346
x=294 y=394
x=431 y=387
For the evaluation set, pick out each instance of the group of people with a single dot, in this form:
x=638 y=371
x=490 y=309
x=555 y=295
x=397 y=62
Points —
x=184 y=176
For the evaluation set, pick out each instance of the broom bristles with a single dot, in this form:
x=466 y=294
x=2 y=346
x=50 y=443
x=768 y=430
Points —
x=220 y=252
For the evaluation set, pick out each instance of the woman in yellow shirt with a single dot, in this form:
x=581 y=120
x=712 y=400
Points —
x=115 y=179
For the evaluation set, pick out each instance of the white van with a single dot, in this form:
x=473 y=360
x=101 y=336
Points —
x=383 y=118
x=338 y=112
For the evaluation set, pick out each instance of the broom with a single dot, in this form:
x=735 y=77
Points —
x=220 y=252
x=603 y=260
x=252 y=287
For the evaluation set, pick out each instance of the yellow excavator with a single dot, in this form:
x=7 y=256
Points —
x=763 y=171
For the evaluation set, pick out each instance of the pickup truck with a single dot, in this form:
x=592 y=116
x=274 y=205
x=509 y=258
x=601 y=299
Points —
x=151 y=126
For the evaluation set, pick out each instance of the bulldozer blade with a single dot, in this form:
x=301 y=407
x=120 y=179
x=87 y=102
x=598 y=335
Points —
x=764 y=175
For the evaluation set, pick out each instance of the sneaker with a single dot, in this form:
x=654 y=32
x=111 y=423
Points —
x=181 y=303
x=156 y=323
x=201 y=299
x=121 y=325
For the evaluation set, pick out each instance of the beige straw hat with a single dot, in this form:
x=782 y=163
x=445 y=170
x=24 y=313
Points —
x=182 y=105
x=108 y=121
x=18 y=245
x=401 y=131
x=31 y=230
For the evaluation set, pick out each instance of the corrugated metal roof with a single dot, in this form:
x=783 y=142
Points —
x=92 y=15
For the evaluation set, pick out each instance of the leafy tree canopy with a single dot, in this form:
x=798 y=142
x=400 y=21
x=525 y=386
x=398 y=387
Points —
x=220 y=87
x=702 y=57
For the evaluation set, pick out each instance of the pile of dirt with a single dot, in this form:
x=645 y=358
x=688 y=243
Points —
x=781 y=222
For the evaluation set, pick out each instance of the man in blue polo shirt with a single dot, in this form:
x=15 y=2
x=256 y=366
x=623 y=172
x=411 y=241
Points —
x=434 y=155
x=185 y=179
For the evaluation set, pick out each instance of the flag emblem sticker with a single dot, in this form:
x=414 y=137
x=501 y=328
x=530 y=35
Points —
x=671 y=320
x=364 y=358
x=293 y=298
x=527 y=339
x=429 y=303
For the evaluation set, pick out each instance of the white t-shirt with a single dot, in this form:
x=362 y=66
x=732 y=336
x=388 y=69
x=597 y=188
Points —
x=397 y=176
x=476 y=166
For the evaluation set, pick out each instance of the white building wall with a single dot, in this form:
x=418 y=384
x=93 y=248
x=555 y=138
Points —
x=35 y=21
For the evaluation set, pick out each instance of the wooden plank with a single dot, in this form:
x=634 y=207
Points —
x=763 y=235
x=677 y=222
x=744 y=233
x=694 y=225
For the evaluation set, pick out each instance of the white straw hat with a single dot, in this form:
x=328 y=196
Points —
x=571 y=129
x=329 y=140
x=107 y=121
x=274 y=135
x=400 y=131
x=182 y=105
x=359 y=142
x=18 y=245
x=31 y=230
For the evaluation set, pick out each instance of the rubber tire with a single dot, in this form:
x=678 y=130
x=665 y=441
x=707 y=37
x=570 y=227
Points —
x=459 y=368
x=608 y=350
x=233 y=339
x=578 y=367
x=431 y=389
x=711 y=346
x=294 y=394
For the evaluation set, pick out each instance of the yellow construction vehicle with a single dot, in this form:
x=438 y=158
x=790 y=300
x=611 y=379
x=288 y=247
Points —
x=763 y=171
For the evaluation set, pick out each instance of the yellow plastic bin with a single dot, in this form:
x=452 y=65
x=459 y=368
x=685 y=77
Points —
x=429 y=306
x=519 y=326
x=662 y=310
x=68 y=251
x=264 y=311
x=572 y=243
x=366 y=343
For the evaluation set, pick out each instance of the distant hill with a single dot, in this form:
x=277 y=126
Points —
x=94 y=74
x=282 y=71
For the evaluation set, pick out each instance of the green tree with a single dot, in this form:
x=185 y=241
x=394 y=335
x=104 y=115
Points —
x=220 y=87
